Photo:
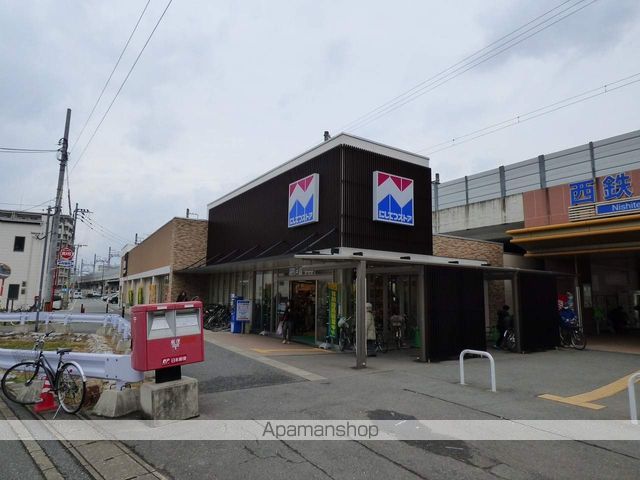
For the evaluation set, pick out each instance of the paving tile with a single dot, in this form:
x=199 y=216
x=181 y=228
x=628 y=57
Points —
x=120 y=468
x=99 y=451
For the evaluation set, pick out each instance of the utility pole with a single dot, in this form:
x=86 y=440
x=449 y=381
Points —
x=94 y=263
x=44 y=261
x=53 y=251
x=76 y=255
x=109 y=258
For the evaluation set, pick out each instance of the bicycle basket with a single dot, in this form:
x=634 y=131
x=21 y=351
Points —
x=568 y=321
x=343 y=322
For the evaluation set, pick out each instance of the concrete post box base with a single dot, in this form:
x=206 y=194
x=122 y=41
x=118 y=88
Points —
x=175 y=400
x=116 y=403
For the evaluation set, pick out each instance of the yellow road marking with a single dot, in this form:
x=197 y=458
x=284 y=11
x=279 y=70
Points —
x=586 y=399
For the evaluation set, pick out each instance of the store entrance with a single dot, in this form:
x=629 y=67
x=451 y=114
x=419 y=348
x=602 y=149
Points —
x=303 y=311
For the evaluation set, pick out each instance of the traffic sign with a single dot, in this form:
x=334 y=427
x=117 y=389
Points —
x=66 y=253
x=65 y=263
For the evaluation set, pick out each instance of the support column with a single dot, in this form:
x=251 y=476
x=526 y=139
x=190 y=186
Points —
x=516 y=311
x=422 y=324
x=385 y=306
x=361 y=328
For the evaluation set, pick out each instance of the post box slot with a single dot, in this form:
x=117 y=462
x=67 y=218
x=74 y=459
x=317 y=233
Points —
x=187 y=321
x=160 y=324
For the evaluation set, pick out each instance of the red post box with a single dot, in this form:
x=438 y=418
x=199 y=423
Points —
x=166 y=335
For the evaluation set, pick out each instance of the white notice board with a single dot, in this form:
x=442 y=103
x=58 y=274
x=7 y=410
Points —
x=243 y=310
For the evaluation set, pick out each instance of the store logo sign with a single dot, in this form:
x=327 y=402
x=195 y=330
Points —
x=392 y=199
x=304 y=201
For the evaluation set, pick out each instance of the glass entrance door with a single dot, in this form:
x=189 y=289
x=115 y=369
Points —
x=303 y=311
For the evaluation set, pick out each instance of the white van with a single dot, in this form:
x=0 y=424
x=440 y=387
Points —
x=77 y=294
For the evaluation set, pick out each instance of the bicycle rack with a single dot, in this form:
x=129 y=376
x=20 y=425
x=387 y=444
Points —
x=482 y=354
x=633 y=408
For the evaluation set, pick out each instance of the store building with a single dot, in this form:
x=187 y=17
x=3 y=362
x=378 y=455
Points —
x=344 y=224
x=571 y=210
x=591 y=228
x=150 y=270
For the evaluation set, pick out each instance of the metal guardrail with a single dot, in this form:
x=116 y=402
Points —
x=108 y=366
x=122 y=325
x=633 y=408
x=482 y=354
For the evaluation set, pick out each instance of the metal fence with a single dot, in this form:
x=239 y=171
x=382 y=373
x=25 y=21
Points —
x=108 y=366
x=122 y=325
x=594 y=159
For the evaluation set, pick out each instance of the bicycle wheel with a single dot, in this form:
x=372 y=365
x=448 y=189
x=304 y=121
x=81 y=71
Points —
x=20 y=383
x=382 y=345
x=71 y=387
x=342 y=340
x=510 y=341
x=565 y=338
x=578 y=340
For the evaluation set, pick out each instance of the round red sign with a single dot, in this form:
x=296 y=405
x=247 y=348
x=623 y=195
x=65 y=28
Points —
x=66 y=253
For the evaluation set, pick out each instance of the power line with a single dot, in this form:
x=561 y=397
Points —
x=111 y=75
x=466 y=64
x=104 y=229
x=111 y=232
x=538 y=112
x=98 y=228
x=99 y=232
x=28 y=206
x=122 y=85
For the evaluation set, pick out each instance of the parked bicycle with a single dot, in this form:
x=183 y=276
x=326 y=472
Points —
x=22 y=383
x=571 y=334
x=380 y=343
x=397 y=325
x=216 y=317
x=508 y=340
x=346 y=338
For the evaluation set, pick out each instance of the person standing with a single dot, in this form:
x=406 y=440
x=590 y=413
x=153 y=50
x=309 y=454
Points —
x=183 y=297
x=371 y=331
x=287 y=323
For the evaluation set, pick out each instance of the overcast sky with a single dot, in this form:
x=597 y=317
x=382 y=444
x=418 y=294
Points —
x=226 y=90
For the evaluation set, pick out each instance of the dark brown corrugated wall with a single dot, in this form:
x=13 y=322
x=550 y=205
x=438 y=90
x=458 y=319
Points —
x=256 y=220
x=538 y=311
x=259 y=216
x=455 y=311
x=359 y=229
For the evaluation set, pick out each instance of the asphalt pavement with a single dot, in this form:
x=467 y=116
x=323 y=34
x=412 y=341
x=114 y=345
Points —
x=236 y=384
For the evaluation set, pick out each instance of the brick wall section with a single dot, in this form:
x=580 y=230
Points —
x=188 y=247
x=468 y=249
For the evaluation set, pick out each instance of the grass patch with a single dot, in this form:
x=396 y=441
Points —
x=26 y=343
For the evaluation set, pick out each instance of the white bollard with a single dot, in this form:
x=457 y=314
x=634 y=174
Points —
x=482 y=354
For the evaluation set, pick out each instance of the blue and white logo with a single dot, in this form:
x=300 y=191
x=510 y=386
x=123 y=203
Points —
x=392 y=199
x=304 y=201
